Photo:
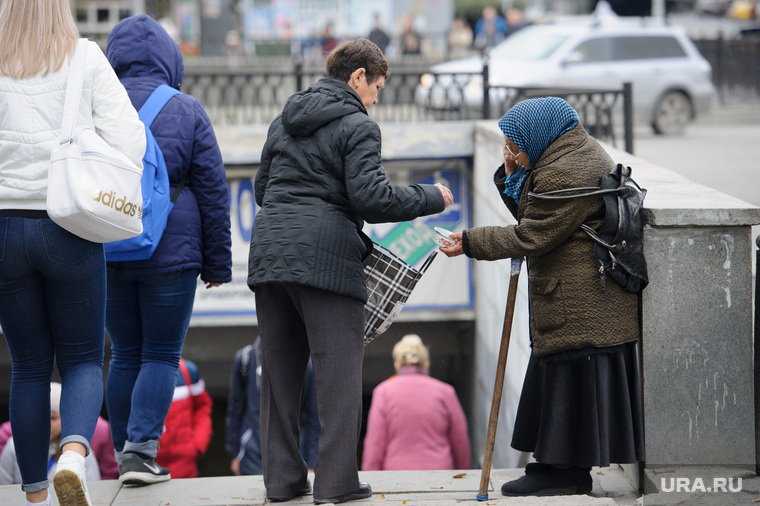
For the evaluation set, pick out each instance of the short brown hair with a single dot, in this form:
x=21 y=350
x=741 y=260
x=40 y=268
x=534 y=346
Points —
x=356 y=54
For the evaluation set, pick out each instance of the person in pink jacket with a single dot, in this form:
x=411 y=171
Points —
x=415 y=421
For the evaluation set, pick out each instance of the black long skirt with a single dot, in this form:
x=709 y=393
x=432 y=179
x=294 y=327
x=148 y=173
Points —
x=582 y=407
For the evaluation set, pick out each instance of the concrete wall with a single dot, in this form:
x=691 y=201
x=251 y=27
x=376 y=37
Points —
x=697 y=329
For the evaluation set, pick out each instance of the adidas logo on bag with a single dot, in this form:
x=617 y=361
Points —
x=121 y=205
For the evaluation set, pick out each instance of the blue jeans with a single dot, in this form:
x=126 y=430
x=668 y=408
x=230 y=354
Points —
x=52 y=306
x=147 y=318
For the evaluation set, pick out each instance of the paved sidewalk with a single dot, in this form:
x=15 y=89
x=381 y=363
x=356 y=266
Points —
x=392 y=488
x=434 y=488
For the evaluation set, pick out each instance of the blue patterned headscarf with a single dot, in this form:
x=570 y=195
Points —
x=534 y=124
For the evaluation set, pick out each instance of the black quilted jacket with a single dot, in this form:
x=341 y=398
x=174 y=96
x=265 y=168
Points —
x=320 y=178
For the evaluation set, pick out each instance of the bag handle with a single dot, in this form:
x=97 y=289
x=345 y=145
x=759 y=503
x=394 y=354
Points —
x=73 y=92
x=428 y=261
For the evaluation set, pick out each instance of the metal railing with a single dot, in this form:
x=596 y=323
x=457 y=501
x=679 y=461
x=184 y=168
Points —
x=255 y=95
x=735 y=67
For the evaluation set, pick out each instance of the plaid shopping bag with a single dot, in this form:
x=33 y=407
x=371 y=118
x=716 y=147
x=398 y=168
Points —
x=390 y=282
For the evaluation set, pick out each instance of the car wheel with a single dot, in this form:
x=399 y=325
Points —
x=672 y=114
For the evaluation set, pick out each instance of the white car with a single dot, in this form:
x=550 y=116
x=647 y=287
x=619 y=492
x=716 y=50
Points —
x=671 y=80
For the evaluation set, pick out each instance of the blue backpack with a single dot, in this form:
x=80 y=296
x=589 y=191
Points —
x=155 y=189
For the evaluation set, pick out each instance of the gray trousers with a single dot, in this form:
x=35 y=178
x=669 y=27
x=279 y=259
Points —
x=294 y=323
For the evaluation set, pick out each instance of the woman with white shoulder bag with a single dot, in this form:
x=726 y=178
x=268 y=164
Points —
x=52 y=282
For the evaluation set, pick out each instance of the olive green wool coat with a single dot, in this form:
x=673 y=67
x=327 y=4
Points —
x=568 y=309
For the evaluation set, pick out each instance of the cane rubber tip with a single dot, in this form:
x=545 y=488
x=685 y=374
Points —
x=482 y=497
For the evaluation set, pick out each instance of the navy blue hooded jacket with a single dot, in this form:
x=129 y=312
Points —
x=197 y=234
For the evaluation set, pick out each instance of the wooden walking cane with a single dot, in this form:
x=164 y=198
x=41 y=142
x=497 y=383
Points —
x=493 y=420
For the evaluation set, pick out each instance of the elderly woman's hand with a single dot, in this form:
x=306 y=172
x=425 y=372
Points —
x=456 y=249
x=514 y=157
x=509 y=161
x=448 y=198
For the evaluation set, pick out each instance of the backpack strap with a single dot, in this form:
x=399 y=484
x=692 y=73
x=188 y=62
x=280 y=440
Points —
x=185 y=372
x=155 y=103
x=177 y=190
x=245 y=359
x=148 y=112
x=569 y=193
x=581 y=191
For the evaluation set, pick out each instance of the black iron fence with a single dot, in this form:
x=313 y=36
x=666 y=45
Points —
x=254 y=91
x=735 y=67
x=255 y=95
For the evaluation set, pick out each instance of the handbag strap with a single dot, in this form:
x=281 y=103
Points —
x=73 y=92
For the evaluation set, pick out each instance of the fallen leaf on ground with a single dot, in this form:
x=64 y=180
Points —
x=460 y=475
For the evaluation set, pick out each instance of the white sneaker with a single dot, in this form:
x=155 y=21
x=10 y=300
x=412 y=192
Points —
x=69 y=481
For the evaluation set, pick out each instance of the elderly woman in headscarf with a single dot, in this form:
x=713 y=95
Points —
x=581 y=399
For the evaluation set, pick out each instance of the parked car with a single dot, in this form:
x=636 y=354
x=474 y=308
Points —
x=671 y=80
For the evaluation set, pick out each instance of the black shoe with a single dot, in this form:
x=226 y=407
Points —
x=362 y=492
x=305 y=490
x=543 y=480
x=138 y=469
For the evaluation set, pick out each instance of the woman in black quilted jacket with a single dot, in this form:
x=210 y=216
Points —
x=319 y=179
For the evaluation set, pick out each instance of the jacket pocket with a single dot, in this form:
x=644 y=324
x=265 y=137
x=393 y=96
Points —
x=547 y=303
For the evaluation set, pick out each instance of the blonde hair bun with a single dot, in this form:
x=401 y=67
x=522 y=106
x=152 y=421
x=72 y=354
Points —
x=410 y=351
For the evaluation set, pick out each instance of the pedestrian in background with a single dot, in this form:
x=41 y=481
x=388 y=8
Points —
x=411 y=41
x=581 y=402
x=328 y=42
x=378 y=35
x=415 y=422
x=100 y=445
x=53 y=285
x=460 y=38
x=490 y=30
x=9 y=470
x=150 y=301
x=319 y=178
x=243 y=426
x=490 y=17
x=187 y=428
